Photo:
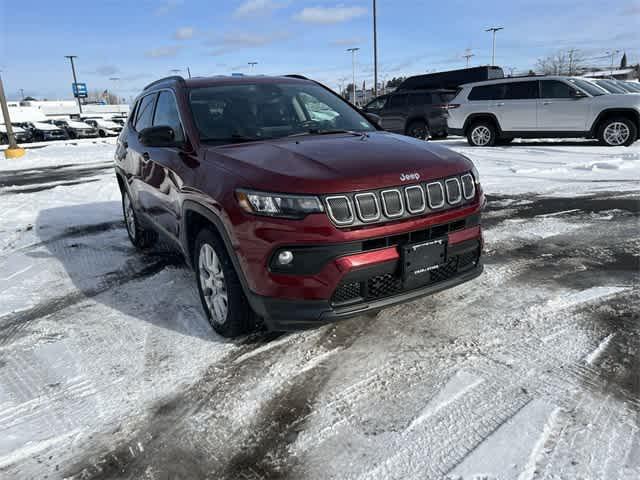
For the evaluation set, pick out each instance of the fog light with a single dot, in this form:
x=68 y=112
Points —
x=285 y=257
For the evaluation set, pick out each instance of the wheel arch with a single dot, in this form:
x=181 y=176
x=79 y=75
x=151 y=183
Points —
x=195 y=216
x=475 y=117
x=629 y=113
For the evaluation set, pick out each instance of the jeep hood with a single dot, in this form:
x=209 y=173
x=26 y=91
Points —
x=337 y=163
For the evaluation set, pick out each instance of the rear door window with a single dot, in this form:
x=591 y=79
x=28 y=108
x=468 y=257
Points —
x=521 y=90
x=397 y=101
x=145 y=112
x=555 y=89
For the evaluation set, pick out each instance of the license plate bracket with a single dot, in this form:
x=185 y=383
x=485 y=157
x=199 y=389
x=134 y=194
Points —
x=420 y=259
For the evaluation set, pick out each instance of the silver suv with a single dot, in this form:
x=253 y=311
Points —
x=497 y=111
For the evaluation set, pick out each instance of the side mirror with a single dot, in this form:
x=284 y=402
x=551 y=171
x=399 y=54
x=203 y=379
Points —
x=373 y=118
x=576 y=94
x=160 y=136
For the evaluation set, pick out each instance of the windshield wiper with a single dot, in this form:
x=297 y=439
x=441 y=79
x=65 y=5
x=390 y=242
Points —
x=316 y=131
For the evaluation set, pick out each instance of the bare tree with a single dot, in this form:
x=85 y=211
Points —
x=569 y=62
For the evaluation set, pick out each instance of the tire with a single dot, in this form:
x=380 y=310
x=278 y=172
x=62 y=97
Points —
x=140 y=237
x=102 y=133
x=223 y=300
x=617 y=132
x=418 y=129
x=482 y=134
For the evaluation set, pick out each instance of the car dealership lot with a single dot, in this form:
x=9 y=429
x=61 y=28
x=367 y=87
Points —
x=109 y=370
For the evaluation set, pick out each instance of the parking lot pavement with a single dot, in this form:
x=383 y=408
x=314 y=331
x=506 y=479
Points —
x=109 y=370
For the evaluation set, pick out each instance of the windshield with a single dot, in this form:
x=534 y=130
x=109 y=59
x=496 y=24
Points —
x=232 y=113
x=588 y=87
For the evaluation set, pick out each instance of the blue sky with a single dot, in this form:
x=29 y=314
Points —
x=139 y=41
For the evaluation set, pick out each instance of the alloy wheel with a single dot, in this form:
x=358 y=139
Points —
x=616 y=133
x=212 y=283
x=129 y=217
x=481 y=135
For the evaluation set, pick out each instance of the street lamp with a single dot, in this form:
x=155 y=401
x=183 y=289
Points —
x=468 y=56
x=75 y=80
x=251 y=65
x=353 y=51
x=494 y=30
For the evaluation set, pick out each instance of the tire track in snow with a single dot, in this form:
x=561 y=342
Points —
x=13 y=324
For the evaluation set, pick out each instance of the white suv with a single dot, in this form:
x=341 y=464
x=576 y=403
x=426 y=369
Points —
x=542 y=107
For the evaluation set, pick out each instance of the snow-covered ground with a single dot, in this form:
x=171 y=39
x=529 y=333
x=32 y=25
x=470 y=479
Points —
x=109 y=370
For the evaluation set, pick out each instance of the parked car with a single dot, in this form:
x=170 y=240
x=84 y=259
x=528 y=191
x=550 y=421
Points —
x=452 y=79
x=419 y=114
x=75 y=128
x=21 y=135
x=541 y=107
x=42 y=131
x=293 y=220
x=635 y=86
x=105 y=128
x=609 y=85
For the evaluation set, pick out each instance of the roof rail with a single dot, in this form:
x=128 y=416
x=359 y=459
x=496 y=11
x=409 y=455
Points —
x=296 y=75
x=176 y=78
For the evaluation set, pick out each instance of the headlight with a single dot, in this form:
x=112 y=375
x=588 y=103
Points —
x=278 y=205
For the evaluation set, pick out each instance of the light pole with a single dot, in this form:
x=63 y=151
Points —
x=13 y=151
x=75 y=80
x=375 y=51
x=353 y=51
x=22 y=94
x=494 y=30
x=252 y=65
x=468 y=55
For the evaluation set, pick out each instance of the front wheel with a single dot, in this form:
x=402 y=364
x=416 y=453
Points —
x=482 y=134
x=618 y=132
x=221 y=294
x=418 y=129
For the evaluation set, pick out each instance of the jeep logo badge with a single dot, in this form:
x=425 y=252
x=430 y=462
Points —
x=405 y=177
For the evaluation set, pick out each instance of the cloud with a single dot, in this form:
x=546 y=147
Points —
x=166 y=6
x=257 y=7
x=232 y=41
x=106 y=70
x=184 y=33
x=345 y=42
x=329 y=15
x=159 y=52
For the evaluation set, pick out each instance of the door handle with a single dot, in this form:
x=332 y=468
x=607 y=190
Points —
x=145 y=156
x=500 y=104
x=547 y=103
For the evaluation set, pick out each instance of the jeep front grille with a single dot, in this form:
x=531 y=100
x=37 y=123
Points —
x=377 y=206
x=339 y=209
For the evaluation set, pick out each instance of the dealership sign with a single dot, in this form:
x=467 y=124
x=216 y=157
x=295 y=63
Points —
x=79 y=90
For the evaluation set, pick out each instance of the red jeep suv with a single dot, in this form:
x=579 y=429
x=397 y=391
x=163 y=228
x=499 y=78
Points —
x=291 y=205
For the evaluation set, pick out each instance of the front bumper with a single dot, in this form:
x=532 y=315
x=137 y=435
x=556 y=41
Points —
x=368 y=280
x=288 y=315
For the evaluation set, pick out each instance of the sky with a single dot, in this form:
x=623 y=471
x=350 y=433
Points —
x=139 y=41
